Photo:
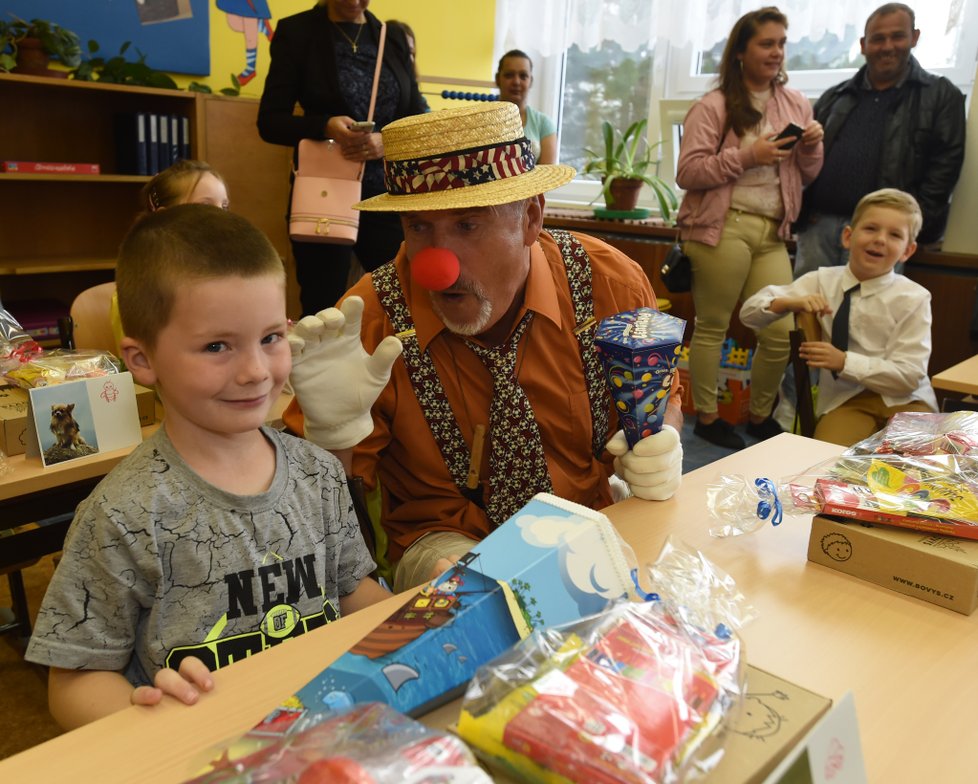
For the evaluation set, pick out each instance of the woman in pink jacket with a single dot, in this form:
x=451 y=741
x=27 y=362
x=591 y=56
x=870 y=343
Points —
x=743 y=189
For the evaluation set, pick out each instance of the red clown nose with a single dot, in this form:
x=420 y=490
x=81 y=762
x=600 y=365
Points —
x=434 y=268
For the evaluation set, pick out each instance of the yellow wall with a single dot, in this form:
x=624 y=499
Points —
x=454 y=39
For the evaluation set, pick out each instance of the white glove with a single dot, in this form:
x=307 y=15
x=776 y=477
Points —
x=335 y=381
x=654 y=467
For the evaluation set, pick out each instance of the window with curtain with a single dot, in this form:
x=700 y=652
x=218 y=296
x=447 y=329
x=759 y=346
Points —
x=625 y=59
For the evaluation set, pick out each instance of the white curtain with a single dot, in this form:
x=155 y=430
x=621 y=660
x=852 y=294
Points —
x=544 y=28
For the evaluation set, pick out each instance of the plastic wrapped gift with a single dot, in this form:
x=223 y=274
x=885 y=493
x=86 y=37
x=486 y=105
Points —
x=639 y=350
x=59 y=366
x=638 y=693
x=919 y=472
x=368 y=744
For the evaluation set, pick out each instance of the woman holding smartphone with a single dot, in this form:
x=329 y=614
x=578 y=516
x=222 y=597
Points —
x=323 y=59
x=743 y=189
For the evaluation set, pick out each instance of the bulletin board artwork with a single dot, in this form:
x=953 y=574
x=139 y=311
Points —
x=173 y=34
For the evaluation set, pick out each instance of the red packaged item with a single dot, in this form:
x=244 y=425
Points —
x=634 y=695
x=370 y=743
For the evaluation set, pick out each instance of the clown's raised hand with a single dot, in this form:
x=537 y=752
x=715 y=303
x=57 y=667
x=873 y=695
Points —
x=335 y=380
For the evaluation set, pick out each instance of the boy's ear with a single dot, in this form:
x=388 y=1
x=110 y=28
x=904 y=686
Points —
x=911 y=249
x=138 y=361
x=846 y=236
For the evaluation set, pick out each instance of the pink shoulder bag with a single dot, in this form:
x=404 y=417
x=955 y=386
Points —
x=327 y=185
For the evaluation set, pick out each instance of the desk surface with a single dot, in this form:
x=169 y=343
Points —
x=29 y=476
x=910 y=664
x=962 y=377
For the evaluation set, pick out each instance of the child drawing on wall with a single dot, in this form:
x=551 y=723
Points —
x=250 y=18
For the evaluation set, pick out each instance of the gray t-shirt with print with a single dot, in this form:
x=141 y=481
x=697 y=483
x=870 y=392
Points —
x=159 y=564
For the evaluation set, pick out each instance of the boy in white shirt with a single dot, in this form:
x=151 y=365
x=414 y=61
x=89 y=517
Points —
x=875 y=363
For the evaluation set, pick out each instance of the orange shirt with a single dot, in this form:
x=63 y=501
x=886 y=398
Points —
x=419 y=494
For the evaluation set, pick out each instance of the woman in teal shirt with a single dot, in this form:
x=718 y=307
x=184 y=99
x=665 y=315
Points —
x=514 y=78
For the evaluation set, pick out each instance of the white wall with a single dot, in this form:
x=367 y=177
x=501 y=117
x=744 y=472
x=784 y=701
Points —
x=961 y=235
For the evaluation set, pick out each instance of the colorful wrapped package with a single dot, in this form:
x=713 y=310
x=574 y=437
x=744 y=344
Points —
x=634 y=695
x=365 y=744
x=640 y=349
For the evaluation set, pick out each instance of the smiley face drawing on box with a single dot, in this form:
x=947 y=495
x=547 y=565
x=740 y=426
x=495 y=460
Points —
x=837 y=547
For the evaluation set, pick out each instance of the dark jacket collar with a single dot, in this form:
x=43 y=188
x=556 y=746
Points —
x=915 y=74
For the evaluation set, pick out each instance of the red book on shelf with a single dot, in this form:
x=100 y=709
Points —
x=36 y=167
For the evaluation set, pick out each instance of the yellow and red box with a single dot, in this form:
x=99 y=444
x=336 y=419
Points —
x=733 y=392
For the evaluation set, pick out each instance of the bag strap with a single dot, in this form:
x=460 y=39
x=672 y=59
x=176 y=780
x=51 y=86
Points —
x=380 y=62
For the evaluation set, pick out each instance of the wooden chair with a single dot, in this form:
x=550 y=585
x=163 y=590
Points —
x=806 y=328
x=90 y=323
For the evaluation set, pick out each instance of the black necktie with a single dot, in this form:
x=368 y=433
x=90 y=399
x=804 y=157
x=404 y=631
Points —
x=840 y=323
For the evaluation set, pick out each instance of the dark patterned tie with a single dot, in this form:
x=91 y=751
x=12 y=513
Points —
x=840 y=322
x=517 y=467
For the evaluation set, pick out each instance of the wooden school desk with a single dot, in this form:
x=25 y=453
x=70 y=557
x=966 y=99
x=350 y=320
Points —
x=962 y=377
x=910 y=664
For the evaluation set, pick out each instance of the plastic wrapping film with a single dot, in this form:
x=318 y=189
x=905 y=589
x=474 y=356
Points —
x=61 y=365
x=920 y=471
x=16 y=346
x=369 y=743
x=639 y=693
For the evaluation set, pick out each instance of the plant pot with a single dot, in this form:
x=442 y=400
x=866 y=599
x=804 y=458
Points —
x=623 y=194
x=31 y=57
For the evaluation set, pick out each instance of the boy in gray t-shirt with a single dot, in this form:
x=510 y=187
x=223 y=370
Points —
x=216 y=538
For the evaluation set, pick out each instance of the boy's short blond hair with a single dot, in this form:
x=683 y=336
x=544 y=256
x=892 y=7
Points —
x=179 y=244
x=895 y=199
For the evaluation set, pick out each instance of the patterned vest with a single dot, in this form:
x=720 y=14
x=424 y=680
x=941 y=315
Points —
x=430 y=392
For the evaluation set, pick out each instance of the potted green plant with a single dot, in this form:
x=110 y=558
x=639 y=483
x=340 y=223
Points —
x=625 y=165
x=118 y=70
x=27 y=47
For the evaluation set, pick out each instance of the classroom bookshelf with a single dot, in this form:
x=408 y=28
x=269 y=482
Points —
x=59 y=234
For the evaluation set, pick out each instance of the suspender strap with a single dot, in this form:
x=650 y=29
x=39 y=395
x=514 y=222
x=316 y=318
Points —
x=578 y=265
x=428 y=388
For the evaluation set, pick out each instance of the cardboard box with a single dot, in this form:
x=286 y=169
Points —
x=145 y=405
x=776 y=715
x=733 y=393
x=942 y=570
x=13 y=416
x=13 y=420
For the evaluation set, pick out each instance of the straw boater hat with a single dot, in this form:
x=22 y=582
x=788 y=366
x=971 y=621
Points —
x=473 y=156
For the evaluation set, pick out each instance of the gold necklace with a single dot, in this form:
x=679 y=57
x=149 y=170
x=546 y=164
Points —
x=352 y=41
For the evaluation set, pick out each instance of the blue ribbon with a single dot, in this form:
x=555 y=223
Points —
x=646 y=597
x=768 y=493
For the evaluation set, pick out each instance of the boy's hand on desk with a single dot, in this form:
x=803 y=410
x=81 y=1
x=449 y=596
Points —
x=185 y=685
x=335 y=380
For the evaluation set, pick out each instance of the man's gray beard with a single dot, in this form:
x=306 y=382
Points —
x=473 y=327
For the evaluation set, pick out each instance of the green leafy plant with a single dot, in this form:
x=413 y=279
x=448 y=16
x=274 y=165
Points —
x=55 y=40
x=234 y=90
x=119 y=70
x=629 y=155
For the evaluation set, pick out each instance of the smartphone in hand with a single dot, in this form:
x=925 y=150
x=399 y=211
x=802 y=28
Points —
x=791 y=131
x=363 y=125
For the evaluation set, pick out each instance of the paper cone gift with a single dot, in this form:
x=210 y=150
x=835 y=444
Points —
x=552 y=562
x=640 y=349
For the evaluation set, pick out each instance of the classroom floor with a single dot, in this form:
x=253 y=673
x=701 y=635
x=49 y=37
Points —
x=23 y=686
x=23 y=690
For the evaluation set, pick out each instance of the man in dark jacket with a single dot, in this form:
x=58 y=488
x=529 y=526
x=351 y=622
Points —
x=892 y=125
